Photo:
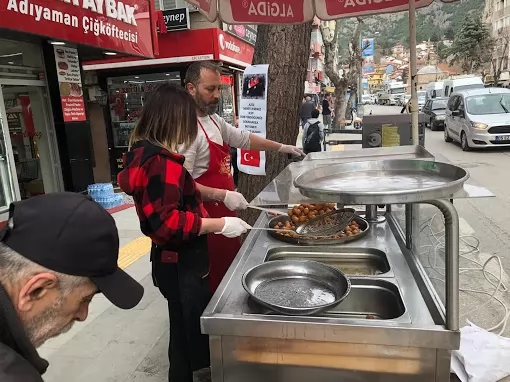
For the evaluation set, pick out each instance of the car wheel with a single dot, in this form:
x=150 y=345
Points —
x=432 y=125
x=447 y=137
x=464 y=142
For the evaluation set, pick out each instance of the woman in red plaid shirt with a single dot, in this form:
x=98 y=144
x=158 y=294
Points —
x=171 y=213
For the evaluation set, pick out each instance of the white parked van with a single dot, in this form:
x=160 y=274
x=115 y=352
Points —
x=434 y=90
x=460 y=84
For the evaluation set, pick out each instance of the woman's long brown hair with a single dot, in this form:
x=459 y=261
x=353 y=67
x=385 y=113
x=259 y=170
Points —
x=168 y=119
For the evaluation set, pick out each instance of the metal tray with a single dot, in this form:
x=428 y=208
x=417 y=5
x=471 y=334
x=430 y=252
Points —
x=296 y=287
x=369 y=299
x=382 y=182
x=363 y=225
x=350 y=260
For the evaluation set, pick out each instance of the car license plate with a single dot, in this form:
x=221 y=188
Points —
x=503 y=138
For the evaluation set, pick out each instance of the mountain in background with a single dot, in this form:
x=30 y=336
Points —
x=436 y=22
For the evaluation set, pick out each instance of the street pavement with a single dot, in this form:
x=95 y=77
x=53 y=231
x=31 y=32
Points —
x=116 y=345
x=486 y=220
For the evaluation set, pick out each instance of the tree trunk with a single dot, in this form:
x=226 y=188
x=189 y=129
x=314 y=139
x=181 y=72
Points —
x=286 y=48
x=340 y=104
x=350 y=104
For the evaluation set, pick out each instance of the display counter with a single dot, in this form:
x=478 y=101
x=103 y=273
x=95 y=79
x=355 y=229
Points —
x=393 y=326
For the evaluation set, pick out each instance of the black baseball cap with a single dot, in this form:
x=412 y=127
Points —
x=71 y=234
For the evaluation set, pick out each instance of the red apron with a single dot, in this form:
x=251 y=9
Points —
x=222 y=250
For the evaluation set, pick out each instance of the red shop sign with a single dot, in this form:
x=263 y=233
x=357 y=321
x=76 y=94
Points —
x=233 y=50
x=329 y=10
x=264 y=11
x=115 y=25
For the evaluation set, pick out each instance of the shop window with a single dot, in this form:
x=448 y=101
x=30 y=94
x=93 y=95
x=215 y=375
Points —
x=20 y=60
x=126 y=97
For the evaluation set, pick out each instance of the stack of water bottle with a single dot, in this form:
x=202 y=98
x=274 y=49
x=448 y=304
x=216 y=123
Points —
x=103 y=194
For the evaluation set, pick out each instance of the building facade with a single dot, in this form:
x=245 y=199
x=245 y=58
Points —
x=45 y=129
x=497 y=15
x=123 y=83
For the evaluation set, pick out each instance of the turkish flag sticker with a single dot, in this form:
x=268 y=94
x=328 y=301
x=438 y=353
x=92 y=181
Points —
x=250 y=158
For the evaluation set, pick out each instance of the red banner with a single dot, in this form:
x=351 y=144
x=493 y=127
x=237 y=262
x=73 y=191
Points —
x=112 y=25
x=331 y=10
x=26 y=110
x=266 y=12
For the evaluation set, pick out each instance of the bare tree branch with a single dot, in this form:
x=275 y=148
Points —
x=350 y=76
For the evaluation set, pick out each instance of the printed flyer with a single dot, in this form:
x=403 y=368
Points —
x=69 y=82
x=252 y=117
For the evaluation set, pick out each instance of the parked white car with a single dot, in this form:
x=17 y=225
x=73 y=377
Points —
x=478 y=118
x=367 y=99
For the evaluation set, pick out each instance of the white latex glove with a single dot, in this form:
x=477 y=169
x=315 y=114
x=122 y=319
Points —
x=235 y=201
x=287 y=149
x=234 y=227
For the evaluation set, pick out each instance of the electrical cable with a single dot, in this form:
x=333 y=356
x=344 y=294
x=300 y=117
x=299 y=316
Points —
x=437 y=244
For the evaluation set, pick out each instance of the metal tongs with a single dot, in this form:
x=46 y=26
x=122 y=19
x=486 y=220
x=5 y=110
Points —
x=327 y=224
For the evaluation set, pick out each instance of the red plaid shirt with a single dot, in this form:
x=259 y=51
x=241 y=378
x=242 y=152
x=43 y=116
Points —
x=167 y=201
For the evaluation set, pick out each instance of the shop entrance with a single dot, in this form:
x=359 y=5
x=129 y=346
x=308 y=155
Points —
x=28 y=156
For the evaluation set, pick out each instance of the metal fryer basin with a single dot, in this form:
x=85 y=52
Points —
x=350 y=260
x=369 y=299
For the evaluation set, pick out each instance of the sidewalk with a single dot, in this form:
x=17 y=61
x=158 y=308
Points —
x=112 y=344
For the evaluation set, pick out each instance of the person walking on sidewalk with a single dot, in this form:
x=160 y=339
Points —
x=208 y=160
x=305 y=112
x=326 y=111
x=313 y=134
x=56 y=253
x=171 y=213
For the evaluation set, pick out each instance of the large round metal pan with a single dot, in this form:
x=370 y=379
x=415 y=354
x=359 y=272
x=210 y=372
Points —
x=296 y=287
x=382 y=182
x=326 y=240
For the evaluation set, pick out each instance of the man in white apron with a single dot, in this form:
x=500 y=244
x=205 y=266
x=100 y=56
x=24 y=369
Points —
x=208 y=160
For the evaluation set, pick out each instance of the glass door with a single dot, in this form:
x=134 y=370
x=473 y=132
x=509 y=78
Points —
x=7 y=189
x=30 y=138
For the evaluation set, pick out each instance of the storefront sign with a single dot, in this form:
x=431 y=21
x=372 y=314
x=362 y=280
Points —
x=329 y=10
x=176 y=19
x=267 y=12
x=177 y=47
x=252 y=117
x=124 y=26
x=246 y=33
x=69 y=82
x=233 y=50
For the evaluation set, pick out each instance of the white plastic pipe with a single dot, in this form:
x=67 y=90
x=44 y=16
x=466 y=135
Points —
x=414 y=72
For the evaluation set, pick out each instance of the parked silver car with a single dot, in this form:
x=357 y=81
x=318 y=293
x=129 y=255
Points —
x=478 y=118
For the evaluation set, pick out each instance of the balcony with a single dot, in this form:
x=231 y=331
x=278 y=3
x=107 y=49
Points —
x=501 y=13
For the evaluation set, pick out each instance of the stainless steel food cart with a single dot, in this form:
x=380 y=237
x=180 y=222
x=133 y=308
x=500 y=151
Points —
x=393 y=326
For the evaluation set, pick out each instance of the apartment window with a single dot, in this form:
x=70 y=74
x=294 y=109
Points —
x=168 y=4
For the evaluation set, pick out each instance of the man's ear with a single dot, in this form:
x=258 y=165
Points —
x=36 y=288
x=191 y=88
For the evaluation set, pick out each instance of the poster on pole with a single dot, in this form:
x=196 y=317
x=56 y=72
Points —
x=252 y=117
x=367 y=52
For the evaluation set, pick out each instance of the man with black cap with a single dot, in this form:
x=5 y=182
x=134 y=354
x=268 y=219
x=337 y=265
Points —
x=56 y=252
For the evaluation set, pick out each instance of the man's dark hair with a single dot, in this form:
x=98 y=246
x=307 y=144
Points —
x=315 y=113
x=194 y=70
